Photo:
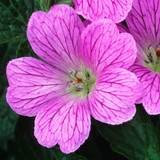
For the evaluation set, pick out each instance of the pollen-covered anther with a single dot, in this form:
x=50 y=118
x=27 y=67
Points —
x=78 y=80
x=158 y=52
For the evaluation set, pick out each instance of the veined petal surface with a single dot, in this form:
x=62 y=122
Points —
x=114 y=95
x=104 y=47
x=33 y=84
x=150 y=82
x=55 y=36
x=66 y=122
x=116 y=10
x=144 y=21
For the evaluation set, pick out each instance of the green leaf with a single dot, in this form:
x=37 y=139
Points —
x=10 y=26
x=26 y=147
x=136 y=139
x=7 y=53
x=61 y=156
x=45 y=4
x=8 y=121
x=69 y=2
x=14 y=19
x=24 y=49
x=24 y=8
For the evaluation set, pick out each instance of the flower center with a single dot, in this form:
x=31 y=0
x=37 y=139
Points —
x=80 y=82
x=152 y=59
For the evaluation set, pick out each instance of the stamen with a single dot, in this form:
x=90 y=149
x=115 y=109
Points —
x=78 y=80
x=69 y=83
x=146 y=61
x=158 y=52
x=70 y=73
x=78 y=88
x=150 y=57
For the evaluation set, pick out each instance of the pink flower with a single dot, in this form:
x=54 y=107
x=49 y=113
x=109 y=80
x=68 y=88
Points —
x=84 y=74
x=144 y=24
x=116 y=10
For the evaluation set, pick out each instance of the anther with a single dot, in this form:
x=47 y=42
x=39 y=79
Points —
x=146 y=61
x=158 y=52
x=78 y=80
x=78 y=88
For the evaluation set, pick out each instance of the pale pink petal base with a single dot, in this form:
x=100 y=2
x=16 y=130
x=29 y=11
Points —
x=150 y=82
x=66 y=122
x=114 y=95
x=115 y=10
x=33 y=84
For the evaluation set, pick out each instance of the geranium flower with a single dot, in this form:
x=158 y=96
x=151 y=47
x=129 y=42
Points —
x=144 y=24
x=84 y=74
x=116 y=10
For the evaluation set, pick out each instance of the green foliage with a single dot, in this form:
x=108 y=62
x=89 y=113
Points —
x=24 y=49
x=8 y=120
x=13 y=21
x=136 y=140
x=69 y=2
x=45 y=4
x=25 y=146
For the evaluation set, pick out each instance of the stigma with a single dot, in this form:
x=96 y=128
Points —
x=80 y=82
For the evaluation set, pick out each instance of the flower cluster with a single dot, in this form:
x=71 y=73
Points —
x=86 y=69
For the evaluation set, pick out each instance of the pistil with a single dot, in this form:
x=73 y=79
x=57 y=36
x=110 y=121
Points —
x=152 y=59
x=80 y=82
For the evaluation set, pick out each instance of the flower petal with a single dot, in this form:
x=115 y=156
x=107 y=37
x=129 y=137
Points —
x=144 y=21
x=103 y=46
x=32 y=84
x=66 y=122
x=116 y=10
x=114 y=96
x=55 y=36
x=150 y=82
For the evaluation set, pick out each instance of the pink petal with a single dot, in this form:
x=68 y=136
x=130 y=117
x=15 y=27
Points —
x=144 y=21
x=116 y=10
x=114 y=96
x=66 y=122
x=103 y=46
x=150 y=83
x=32 y=84
x=55 y=36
